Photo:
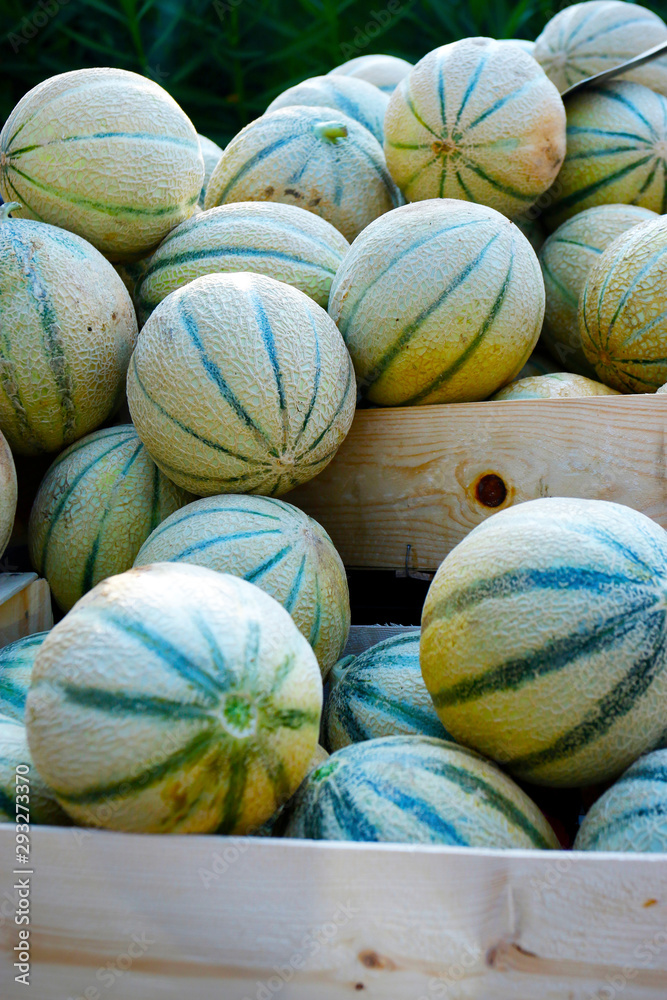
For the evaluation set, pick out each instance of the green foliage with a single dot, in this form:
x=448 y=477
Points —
x=225 y=60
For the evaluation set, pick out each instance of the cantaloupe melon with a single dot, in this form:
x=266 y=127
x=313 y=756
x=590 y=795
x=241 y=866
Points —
x=616 y=145
x=8 y=493
x=97 y=504
x=316 y=158
x=273 y=545
x=384 y=71
x=587 y=38
x=544 y=639
x=281 y=241
x=69 y=329
x=240 y=383
x=417 y=790
x=105 y=153
x=353 y=97
x=622 y=319
x=440 y=301
x=632 y=814
x=558 y=385
x=211 y=154
x=275 y=826
x=174 y=699
x=566 y=259
x=476 y=120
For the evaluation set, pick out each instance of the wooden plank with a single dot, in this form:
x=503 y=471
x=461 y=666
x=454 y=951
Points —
x=162 y=918
x=25 y=606
x=409 y=475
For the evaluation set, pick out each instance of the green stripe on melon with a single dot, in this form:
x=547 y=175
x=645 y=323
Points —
x=440 y=301
x=632 y=814
x=272 y=544
x=416 y=789
x=354 y=97
x=122 y=167
x=191 y=696
x=16 y=663
x=261 y=424
x=381 y=693
x=280 y=241
x=97 y=504
x=544 y=639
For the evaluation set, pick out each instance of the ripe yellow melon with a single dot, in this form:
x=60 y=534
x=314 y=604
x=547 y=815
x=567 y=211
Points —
x=211 y=154
x=616 y=145
x=8 y=493
x=476 y=120
x=240 y=383
x=440 y=301
x=97 y=504
x=353 y=97
x=586 y=38
x=385 y=72
x=105 y=153
x=273 y=545
x=566 y=259
x=622 y=317
x=280 y=241
x=316 y=158
x=69 y=329
x=558 y=385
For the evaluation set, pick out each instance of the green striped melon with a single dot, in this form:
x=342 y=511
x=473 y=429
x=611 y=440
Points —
x=440 y=301
x=281 y=241
x=418 y=790
x=616 y=146
x=105 y=153
x=69 y=329
x=622 y=319
x=380 y=693
x=97 y=504
x=353 y=97
x=587 y=38
x=240 y=383
x=316 y=158
x=544 y=639
x=384 y=71
x=16 y=663
x=211 y=154
x=632 y=814
x=559 y=385
x=566 y=259
x=275 y=826
x=269 y=543
x=174 y=699
x=8 y=493
x=476 y=120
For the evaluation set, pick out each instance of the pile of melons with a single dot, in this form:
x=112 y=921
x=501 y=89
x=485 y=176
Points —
x=185 y=334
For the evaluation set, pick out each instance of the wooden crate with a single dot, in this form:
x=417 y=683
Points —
x=415 y=476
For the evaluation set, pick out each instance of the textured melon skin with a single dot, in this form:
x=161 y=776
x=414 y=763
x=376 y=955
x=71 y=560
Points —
x=143 y=166
x=498 y=138
x=272 y=544
x=384 y=72
x=16 y=662
x=353 y=97
x=381 y=693
x=315 y=158
x=240 y=383
x=632 y=814
x=8 y=493
x=275 y=826
x=440 y=301
x=416 y=789
x=586 y=38
x=559 y=385
x=174 y=699
x=280 y=241
x=616 y=143
x=566 y=259
x=543 y=639
x=622 y=323
x=97 y=504
x=69 y=330
x=211 y=154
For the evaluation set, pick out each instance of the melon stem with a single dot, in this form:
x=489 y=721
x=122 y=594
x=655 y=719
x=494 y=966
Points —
x=8 y=207
x=331 y=131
